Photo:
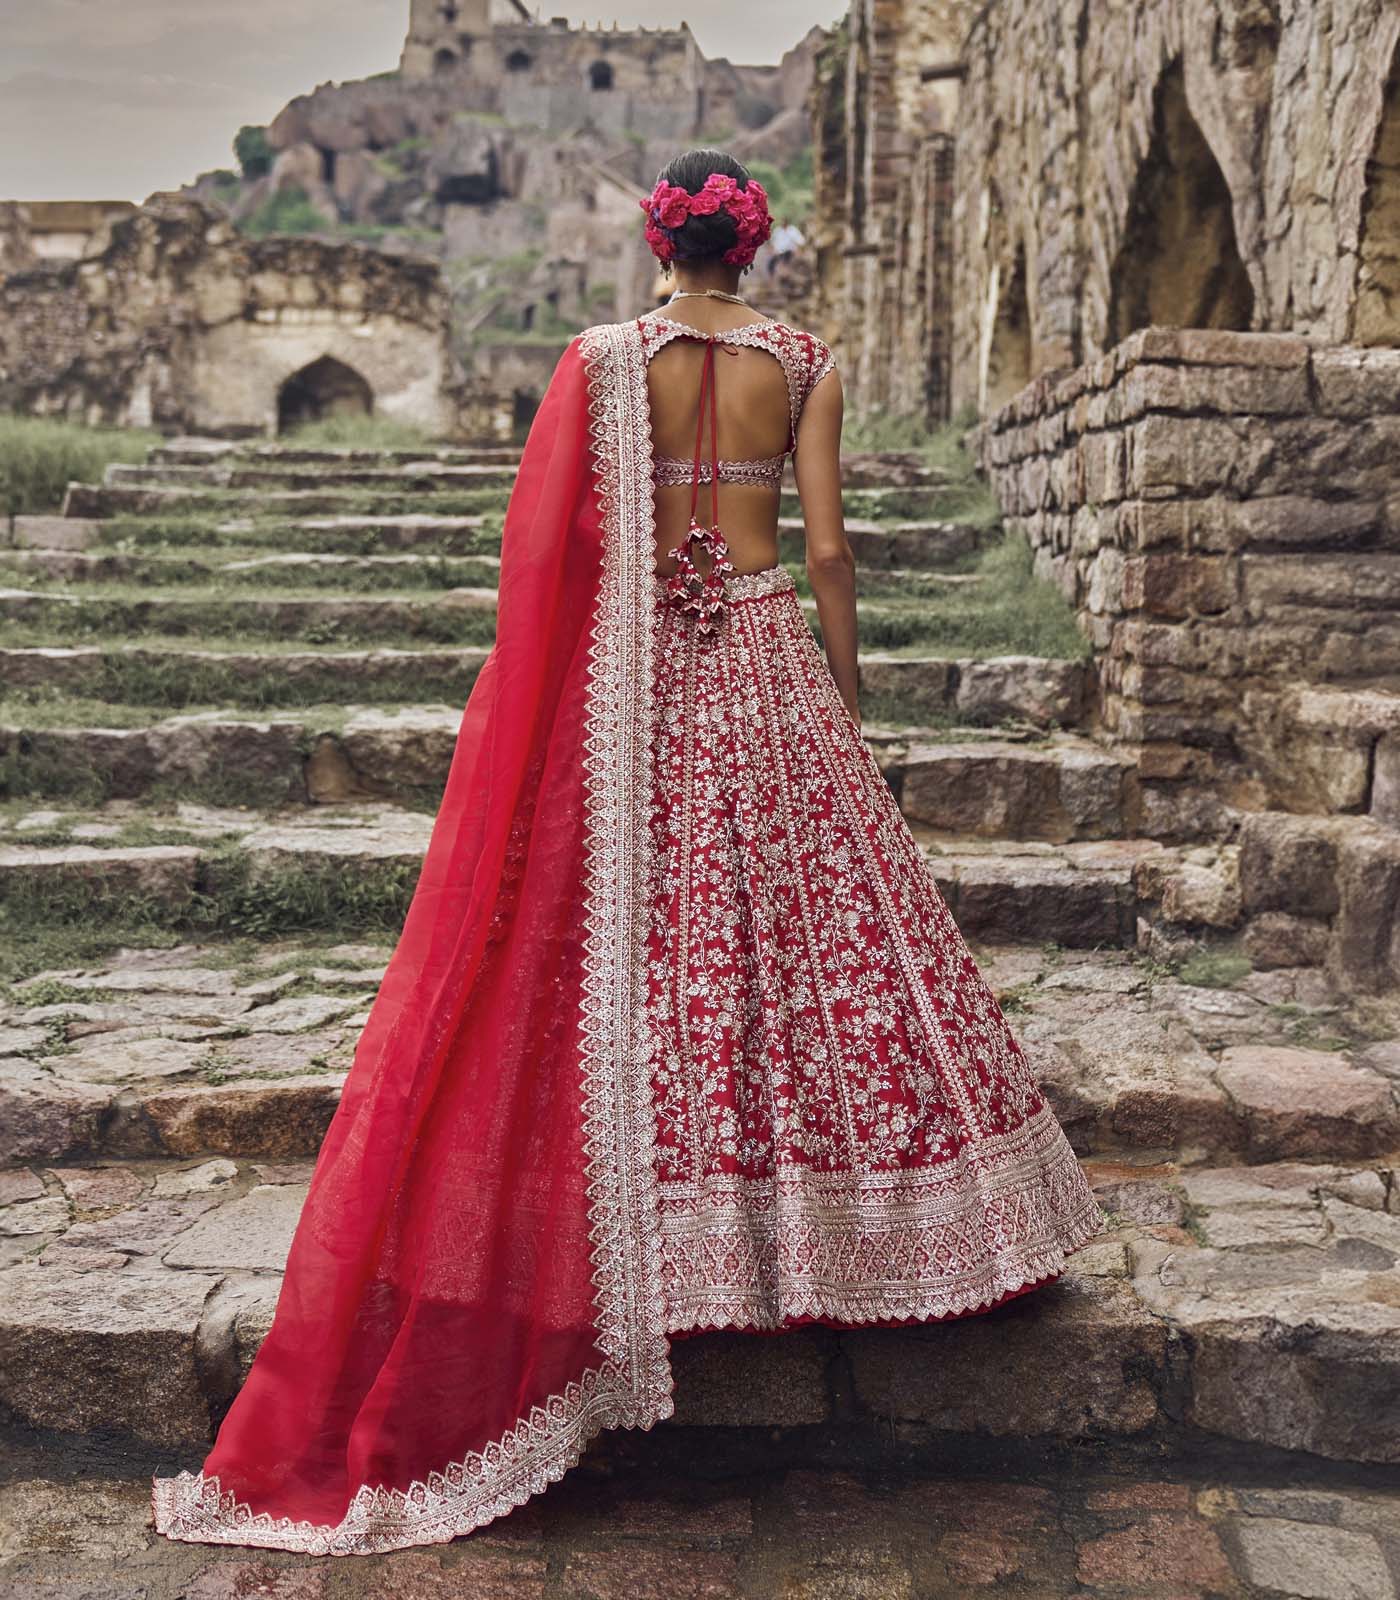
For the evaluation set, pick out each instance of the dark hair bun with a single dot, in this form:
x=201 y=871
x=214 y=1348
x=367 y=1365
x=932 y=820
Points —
x=703 y=238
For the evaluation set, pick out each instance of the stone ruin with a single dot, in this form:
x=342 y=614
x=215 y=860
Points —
x=479 y=207
x=175 y=321
x=515 y=150
x=1157 y=249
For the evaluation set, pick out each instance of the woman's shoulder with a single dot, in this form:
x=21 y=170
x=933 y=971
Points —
x=813 y=351
x=805 y=355
x=812 y=354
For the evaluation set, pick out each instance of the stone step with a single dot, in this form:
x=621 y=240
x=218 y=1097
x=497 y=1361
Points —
x=99 y=501
x=1326 y=887
x=1042 y=692
x=1081 y=895
x=452 y=616
x=860 y=468
x=330 y=754
x=319 y=569
x=295 y=568
x=176 y=1052
x=176 y=676
x=898 y=619
x=686 y=1514
x=160 y=1112
x=413 y=477
x=1059 y=790
x=896 y=468
x=877 y=546
x=140 y=1292
x=198 y=452
x=397 y=493
x=445 y=535
x=215 y=867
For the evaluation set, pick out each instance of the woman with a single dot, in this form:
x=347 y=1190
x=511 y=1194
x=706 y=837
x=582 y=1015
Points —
x=679 y=1033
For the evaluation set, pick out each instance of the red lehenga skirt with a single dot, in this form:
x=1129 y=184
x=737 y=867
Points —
x=846 y=1129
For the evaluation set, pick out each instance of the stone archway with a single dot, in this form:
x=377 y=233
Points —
x=600 y=75
x=1377 y=318
x=1179 y=263
x=323 y=388
x=1009 y=349
x=523 y=406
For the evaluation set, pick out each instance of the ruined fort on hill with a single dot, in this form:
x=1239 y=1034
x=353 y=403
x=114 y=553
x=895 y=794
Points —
x=495 y=173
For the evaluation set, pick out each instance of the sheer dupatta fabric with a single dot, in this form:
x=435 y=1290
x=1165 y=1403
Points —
x=473 y=1289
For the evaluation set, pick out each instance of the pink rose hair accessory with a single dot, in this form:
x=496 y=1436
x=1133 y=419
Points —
x=669 y=206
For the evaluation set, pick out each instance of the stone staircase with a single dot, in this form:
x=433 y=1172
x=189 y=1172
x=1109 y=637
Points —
x=233 y=679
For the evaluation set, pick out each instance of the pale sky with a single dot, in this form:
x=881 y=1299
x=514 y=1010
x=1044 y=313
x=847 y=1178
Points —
x=113 y=99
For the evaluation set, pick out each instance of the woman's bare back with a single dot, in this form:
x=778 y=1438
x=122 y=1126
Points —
x=752 y=402
x=775 y=391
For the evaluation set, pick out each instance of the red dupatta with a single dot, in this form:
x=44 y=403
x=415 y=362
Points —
x=473 y=1288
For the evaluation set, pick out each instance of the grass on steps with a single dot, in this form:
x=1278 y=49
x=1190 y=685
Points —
x=168 y=681
x=965 y=498
x=361 y=433
x=85 y=613
x=277 y=534
x=420 y=572
x=40 y=456
x=1008 y=611
x=220 y=505
x=65 y=922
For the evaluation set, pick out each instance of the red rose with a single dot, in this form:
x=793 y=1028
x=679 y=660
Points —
x=674 y=207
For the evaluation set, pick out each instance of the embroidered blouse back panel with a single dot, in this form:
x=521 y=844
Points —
x=732 y=401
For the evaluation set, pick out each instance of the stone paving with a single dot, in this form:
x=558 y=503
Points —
x=1207 y=1403
x=162 y=1111
x=624 y=1529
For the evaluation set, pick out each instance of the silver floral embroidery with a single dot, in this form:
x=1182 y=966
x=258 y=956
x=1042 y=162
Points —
x=846 y=1127
x=725 y=1190
x=675 y=471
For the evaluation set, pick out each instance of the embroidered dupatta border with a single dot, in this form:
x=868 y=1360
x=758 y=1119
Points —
x=632 y=1386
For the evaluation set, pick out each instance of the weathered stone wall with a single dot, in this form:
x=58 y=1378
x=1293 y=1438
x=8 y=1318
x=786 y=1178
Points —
x=1223 y=511
x=509 y=60
x=17 y=252
x=884 y=160
x=502 y=393
x=652 y=81
x=1183 y=162
x=183 y=324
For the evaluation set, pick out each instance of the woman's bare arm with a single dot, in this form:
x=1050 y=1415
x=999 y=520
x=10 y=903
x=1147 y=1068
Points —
x=831 y=568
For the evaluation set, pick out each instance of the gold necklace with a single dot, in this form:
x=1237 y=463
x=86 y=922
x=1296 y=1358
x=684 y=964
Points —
x=707 y=294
